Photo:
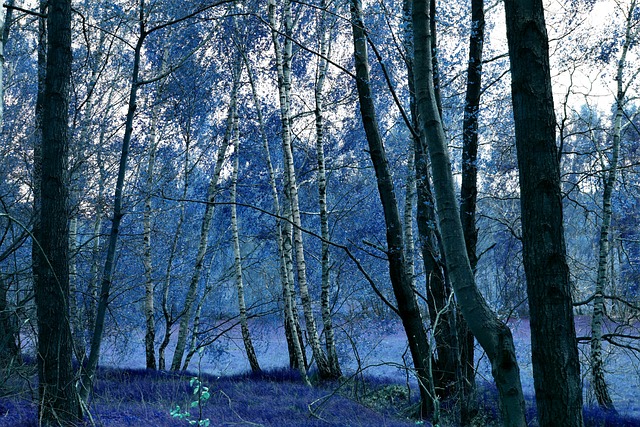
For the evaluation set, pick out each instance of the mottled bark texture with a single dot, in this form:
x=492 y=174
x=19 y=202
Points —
x=556 y=368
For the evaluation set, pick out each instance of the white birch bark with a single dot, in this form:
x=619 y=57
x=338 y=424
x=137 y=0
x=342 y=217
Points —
x=242 y=306
x=186 y=313
x=149 y=311
x=599 y=384
x=283 y=65
x=325 y=296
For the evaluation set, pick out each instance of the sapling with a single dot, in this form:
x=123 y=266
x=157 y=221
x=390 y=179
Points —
x=200 y=395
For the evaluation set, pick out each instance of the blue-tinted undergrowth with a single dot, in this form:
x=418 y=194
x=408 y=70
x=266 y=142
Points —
x=275 y=398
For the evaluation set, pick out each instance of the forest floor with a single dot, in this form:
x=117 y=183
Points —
x=128 y=395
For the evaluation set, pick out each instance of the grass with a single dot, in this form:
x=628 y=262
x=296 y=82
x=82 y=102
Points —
x=126 y=397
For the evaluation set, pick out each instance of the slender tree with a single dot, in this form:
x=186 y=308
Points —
x=325 y=297
x=401 y=281
x=242 y=306
x=469 y=195
x=599 y=384
x=283 y=67
x=205 y=227
x=556 y=367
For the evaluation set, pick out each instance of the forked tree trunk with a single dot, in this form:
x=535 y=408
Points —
x=167 y=314
x=599 y=384
x=325 y=297
x=187 y=310
x=556 y=367
x=494 y=336
x=407 y=305
x=283 y=65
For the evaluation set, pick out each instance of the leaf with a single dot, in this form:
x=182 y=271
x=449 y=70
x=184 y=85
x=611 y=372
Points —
x=194 y=403
x=205 y=395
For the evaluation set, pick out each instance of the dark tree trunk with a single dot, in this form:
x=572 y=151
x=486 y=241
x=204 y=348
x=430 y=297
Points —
x=57 y=394
x=447 y=363
x=468 y=196
x=9 y=350
x=556 y=368
x=408 y=309
x=494 y=336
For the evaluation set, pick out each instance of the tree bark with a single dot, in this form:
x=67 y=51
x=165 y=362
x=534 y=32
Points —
x=297 y=358
x=556 y=368
x=446 y=368
x=407 y=304
x=325 y=297
x=186 y=313
x=149 y=311
x=291 y=186
x=58 y=402
x=599 y=384
x=494 y=336
x=242 y=306
x=469 y=195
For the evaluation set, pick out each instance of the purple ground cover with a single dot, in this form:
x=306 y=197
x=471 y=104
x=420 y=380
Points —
x=132 y=397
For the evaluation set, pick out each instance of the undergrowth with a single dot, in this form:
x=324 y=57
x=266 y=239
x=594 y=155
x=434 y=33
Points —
x=127 y=397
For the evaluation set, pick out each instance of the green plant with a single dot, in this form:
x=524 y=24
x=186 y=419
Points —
x=200 y=395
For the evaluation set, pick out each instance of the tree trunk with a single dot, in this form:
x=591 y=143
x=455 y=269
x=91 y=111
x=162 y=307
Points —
x=89 y=371
x=494 y=336
x=556 y=368
x=244 y=327
x=600 y=388
x=283 y=64
x=469 y=195
x=167 y=313
x=325 y=297
x=149 y=312
x=441 y=314
x=9 y=351
x=75 y=317
x=297 y=358
x=186 y=313
x=407 y=304
x=58 y=402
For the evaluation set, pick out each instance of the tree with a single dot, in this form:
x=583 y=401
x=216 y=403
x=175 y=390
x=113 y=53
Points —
x=601 y=390
x=283 y=66
x=401 y=280
x=59 y=403
x=556 y=367
x=492 y=334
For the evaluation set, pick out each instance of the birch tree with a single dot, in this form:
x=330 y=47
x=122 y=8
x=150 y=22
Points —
x=283 y=67
x=297 y=359
x=325 y=297
x=237 y=256
x=596 y=360
x=205 y=227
